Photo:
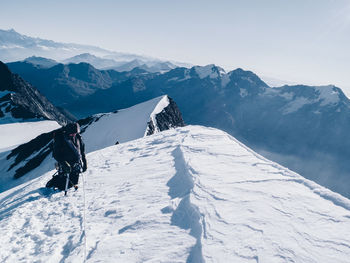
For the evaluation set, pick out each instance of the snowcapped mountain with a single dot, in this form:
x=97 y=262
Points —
x=191 y=194
x=97 y=62
x=19 y=101
x=210 y=71
x=120 y=66
x=17 y=47
x=302 y=127
x=98 y=131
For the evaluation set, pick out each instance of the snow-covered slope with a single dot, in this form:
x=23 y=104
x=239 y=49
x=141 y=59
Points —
x=33 y=158
x=124 y=125
x=13 y=134
x=192 y=194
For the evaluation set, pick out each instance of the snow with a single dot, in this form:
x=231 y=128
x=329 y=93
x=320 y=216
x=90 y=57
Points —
x=163 y=103
x=243 y=92
x=328 y=95
x=105 y=130
x=225 y=79
x=125 y=125
x=296 y=104
x=208 y=71
x=190 y=194
x=286 y=95
x=22 y=132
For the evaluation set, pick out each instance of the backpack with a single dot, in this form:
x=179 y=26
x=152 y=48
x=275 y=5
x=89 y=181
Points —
x=67 y=143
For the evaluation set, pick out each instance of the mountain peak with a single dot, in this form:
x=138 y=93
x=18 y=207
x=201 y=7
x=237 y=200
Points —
x=212 y=71
x=41 y=61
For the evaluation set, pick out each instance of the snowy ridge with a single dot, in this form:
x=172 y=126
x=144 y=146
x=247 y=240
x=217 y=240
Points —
x=162 y=104
x=190 y=194
x=123 y=125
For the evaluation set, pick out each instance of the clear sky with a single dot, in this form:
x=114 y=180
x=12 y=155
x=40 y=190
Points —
x=303 y=41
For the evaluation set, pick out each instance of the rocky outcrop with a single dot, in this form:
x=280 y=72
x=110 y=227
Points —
x=169 y=117
x=21 y=101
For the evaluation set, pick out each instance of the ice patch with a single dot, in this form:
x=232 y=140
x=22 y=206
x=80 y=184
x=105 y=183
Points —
x=225 y=79
x=328 y=95
x=210 y=71
x=286 y=95
x=243 y=92
x=296 y=104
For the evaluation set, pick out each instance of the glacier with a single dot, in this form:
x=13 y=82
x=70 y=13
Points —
x=191 y=194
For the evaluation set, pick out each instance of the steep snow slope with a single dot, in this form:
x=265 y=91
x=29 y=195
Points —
x=13 y=134
x=123 y=125
x=192 y=194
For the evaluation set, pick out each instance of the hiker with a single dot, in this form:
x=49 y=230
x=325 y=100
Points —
x=69 y=152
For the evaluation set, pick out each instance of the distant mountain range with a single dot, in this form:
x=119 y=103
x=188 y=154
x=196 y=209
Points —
x=302 y=127
x=104 y=63
x=15 y=47
x=66 y=84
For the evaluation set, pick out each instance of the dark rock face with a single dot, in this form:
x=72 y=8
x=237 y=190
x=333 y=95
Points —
x=170 y=117
x=23 y=101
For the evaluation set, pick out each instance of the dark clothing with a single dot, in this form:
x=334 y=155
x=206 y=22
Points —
x=68 y=147
x=59 y=180
x=69 y=152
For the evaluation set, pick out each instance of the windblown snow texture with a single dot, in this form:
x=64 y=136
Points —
x=190 y=194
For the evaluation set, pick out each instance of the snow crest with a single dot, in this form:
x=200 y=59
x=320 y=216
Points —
x=191 y=194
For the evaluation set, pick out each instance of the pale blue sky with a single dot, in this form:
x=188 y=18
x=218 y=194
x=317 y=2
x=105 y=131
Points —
x=303 y=41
